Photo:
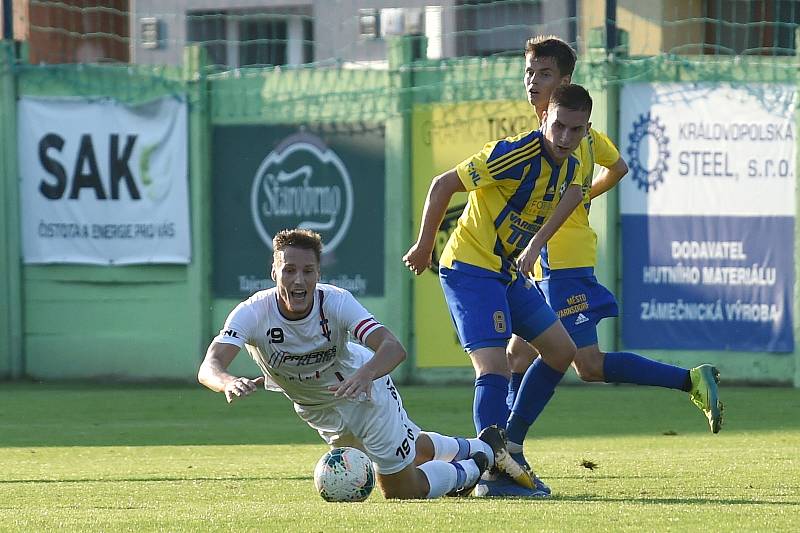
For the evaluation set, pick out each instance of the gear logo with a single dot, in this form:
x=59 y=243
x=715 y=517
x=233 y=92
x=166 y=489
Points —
x=648 y=141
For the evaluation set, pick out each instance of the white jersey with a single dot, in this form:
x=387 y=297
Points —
x=305 y=356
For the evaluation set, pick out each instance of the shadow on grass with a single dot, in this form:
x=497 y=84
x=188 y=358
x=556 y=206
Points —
x=41 y=415
x=671 y=501
x=533 y=501
x=167 y=479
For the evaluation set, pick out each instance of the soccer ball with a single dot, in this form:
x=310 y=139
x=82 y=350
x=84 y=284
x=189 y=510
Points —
x=344 y=475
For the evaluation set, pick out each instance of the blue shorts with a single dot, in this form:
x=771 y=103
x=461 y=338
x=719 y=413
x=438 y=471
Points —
x=579 y=301
x=486 y=309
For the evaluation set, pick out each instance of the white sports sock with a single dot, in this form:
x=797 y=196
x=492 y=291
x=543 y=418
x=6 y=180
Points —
x=477 y=445
x=444 y=448
x=471 y=469
x=442 y=477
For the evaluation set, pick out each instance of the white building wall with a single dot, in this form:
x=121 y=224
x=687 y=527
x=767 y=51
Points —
x=336 y=29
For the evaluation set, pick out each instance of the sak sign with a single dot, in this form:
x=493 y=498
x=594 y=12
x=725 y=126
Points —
x=103 y=183
x=327 y=180
x=708 y=216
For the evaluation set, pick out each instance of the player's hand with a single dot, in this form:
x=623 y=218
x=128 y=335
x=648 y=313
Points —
x=418 y=258
x=527 y=259
x=358 y=386
x=241 y=387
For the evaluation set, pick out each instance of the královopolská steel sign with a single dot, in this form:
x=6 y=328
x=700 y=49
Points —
x=302 y=183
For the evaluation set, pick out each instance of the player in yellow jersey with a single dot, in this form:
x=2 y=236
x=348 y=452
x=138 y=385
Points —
x=565 y=272
x=521 y=189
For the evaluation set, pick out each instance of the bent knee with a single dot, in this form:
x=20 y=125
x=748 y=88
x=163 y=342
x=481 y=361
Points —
x=520 y=354
x=411 y=483
x=565 y=353
x=404 y=492
x=490 y=361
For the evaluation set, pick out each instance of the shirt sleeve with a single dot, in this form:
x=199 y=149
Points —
x=239 y=326
x=499 y=161
x=605 y=153
x=354 y=316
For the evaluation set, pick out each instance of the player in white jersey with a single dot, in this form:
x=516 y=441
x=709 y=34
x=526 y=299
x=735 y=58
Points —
x=298 y=333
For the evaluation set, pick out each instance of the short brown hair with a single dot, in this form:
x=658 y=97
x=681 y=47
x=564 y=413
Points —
x=573 y=97
x=299 y=238
x=552 y=46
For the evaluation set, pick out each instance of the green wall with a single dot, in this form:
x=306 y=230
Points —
x=131 y=322
x=11 y=360
x=154 y=322
x=345 y=98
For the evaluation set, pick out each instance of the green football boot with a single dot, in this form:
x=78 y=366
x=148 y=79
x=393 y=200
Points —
x=705 y=396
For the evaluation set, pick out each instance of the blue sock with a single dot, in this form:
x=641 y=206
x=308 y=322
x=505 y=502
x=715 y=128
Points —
x=537 y=388
x=461 y=475
x=513 y=388
x=490 y=401
x=463 y=449
x=626 y=367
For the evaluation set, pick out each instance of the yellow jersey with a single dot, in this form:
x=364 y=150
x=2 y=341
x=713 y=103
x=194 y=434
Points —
x=575 y=243
x=514 y=186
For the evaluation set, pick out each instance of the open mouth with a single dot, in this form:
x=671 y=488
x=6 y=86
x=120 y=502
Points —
x=298 y=294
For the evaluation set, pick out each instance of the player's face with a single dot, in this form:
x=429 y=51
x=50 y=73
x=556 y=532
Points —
x=563 y=130
x=296 y=273
x=541 y=77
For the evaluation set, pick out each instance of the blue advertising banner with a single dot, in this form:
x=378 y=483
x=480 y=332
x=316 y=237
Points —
x=708 y=216
x=727 y=288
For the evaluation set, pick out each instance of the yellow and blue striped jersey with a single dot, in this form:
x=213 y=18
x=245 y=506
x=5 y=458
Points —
x=575 y=243
x=513 y=187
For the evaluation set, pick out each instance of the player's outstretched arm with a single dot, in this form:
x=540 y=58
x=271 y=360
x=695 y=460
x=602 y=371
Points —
x=569 y=201
x=442 y=189
x=214 y=373
x=608 y=177
x=389 y=353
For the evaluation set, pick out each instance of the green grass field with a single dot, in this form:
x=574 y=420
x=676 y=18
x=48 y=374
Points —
x=146 y=458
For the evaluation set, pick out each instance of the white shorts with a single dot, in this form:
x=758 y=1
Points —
x=380 y=427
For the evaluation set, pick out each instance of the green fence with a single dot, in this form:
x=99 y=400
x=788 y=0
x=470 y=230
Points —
x=154 y=322
x=138 y=322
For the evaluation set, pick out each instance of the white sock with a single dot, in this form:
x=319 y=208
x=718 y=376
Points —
x=444 y=448
x=451 y=448
x=477 y=445
x=442 y=477
x=471 y=469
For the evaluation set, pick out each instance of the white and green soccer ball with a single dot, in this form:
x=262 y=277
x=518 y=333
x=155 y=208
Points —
x=344 y=475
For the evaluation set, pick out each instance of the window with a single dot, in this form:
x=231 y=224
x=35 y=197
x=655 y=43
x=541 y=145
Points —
x=761 y=27
x=308 y=40
x=486 y=27
x=243 y=39
x=262 y=41
x=210 y=29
